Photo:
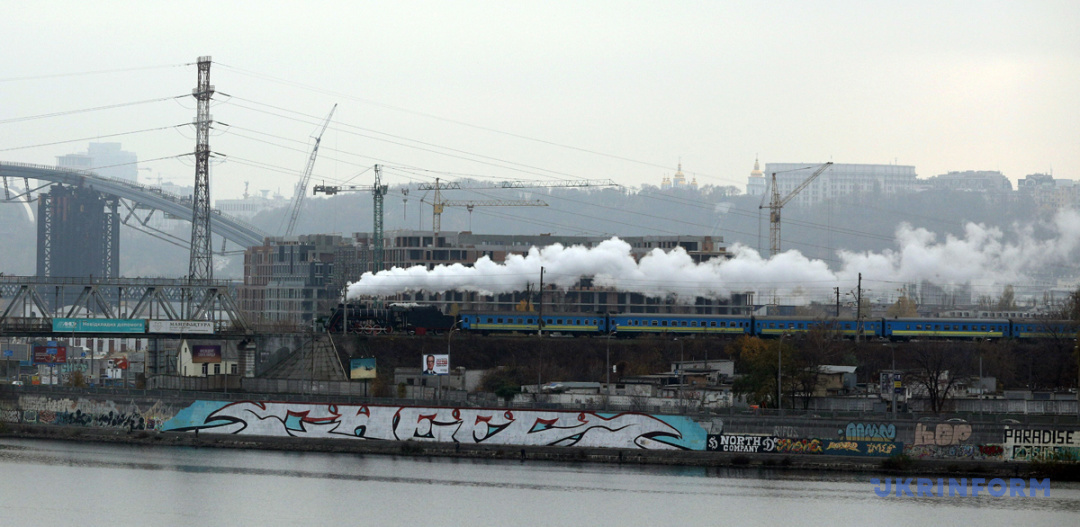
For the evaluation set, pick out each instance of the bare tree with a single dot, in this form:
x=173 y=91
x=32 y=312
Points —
x=937 y=367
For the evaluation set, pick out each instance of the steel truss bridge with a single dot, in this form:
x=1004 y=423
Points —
x=138 y=202
x=29 y=304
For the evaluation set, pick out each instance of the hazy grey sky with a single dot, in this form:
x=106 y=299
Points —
x=491 y=88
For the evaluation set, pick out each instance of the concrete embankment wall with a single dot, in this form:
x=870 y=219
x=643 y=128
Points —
x=1057 y=438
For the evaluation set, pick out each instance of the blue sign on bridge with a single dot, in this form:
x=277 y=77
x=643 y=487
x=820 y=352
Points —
x=98 y=325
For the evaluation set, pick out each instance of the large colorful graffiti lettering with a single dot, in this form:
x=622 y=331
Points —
x=942 y=434
x=777 y=445
x=88 y=412
x=1042 y=445
x=462 y=425
x=976 y=452
x=868 y=432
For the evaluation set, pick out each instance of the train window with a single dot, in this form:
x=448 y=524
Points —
x=528 y=321
x=499 y=320
x=984 y=328
x=683 y=324
x=489 y=320
x=558 y=321
x=772 y=324
x=654 y=322
x=519 y=321
x=663 y=323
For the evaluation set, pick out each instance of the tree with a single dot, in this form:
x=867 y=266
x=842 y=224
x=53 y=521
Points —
x=904 y=307
x=823 y=344
x=756 y=361
x=1007 y=301
x=76 y=380
x=938 y=366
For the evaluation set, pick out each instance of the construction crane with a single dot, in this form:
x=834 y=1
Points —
x=378 y=192
x=438 y=204
x=301 y=187
x=776 y=203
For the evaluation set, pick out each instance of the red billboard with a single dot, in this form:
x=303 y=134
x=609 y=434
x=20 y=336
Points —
x=50 y=354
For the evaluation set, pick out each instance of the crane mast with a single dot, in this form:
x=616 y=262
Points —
x=438 y=205
x=776 y=203
x=301 y=187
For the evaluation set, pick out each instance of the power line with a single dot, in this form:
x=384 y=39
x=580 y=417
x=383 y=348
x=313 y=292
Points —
x=97 y=72
x=92 y=138
x=86 y=110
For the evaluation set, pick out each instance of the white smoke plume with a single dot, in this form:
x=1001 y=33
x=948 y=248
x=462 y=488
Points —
x=981 y=256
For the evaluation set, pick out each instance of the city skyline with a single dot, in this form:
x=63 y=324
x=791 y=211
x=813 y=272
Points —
x=549 y=91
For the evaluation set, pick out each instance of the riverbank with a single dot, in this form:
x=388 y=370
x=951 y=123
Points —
x=896 y=465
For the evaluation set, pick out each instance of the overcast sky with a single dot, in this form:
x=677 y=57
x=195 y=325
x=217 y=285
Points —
x=540 y=90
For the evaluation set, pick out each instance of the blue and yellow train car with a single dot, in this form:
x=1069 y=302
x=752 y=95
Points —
x=1043 y=329
x=955 y=328
x=530 y=322
x=645 y=323
x=848 y=327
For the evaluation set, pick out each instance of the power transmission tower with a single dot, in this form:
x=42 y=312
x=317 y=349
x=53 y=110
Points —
x=201 y=266
x=777 y=203
x=301 y=187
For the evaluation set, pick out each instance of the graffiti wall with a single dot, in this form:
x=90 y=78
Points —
x=33 y=409
x=782 y=445
x=975 y=452
x=461 y=425
x=1042 y=445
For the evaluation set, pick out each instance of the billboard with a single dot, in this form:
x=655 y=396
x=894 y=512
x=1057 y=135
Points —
x=98 y=325
x=362 y=368
x=50 y=354
x=206 y=353
x=435 y=364
x=201 y=327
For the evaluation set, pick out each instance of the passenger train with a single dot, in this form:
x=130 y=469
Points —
x=418 y=319
x=628 y=324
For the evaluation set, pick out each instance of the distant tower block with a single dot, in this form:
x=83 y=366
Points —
x=78 y=234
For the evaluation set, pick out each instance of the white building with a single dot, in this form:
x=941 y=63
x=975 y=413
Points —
x=191 y=363
x=755 y=185
x=841 y=180
x=104 y=159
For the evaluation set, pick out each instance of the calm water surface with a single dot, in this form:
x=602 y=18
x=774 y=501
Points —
x=60 y=483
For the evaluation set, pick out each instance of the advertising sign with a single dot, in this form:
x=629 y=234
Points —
x=362 y=368
x=98 y=325
x=50 y=354
x=199 y=327
x=206 y=353
x=435 y=364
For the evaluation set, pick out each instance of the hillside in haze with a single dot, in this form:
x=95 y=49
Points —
x=856 y=223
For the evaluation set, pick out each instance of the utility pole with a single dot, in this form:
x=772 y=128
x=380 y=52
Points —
x=540 y=335
x=858 y=311
x=837 y=290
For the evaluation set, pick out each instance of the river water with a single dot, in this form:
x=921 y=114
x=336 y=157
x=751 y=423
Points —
x=63 y=483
